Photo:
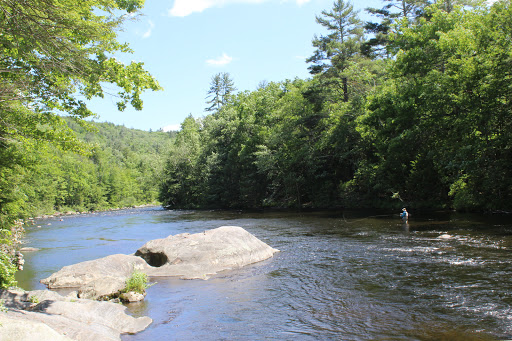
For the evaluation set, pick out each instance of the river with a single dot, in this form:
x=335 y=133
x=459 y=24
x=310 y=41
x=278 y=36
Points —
x=352 y=275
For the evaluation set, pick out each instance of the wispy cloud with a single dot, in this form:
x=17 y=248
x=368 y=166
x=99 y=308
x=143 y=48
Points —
x=182 y=8
x=220 y=61
x=147 y=34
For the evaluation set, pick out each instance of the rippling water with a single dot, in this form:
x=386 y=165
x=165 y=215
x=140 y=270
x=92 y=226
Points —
x=339 y=275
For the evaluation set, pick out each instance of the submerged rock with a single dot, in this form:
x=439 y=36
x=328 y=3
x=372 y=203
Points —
x=55 y=317
x=203 y=254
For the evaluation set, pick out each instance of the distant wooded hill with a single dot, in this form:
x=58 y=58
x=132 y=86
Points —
x=122 y=168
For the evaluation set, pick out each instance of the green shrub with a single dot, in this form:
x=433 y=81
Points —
x=33 y=299
x=137 y=282
x=7 y=271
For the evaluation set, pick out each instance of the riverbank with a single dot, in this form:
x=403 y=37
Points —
x=69 y=213
x=47 y=315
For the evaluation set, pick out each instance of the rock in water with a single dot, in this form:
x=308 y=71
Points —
x=97 y=278
x=203 y=254
x=131 y=296
x=186 y=255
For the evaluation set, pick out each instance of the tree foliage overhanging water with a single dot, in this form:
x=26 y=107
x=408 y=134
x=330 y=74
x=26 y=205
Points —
x=54 y=55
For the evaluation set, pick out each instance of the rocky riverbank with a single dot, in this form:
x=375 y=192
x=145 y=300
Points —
x=45 y=315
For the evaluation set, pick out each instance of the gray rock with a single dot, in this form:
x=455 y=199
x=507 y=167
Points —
x=15 y=328
x=203 y=254
x=186 y=255
x=103 y=287
x=90 y=312
x=97 y=278
x=65 y=318
x=131 y=296
x=15 y=299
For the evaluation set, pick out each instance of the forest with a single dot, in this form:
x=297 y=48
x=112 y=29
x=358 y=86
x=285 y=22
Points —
x=418 y=115
x=412 y=110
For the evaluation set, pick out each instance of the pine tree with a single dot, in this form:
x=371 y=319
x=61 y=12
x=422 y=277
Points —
x=345 y=34
x=221 y=88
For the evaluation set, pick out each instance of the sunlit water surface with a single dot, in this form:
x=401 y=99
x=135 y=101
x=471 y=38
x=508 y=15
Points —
x=339 y=276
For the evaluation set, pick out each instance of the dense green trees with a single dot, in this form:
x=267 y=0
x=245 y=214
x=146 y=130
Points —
x=53 y=54
x=123 y=169
x=345 y=31
x=389 y=14
x=426 y=123
x=446 y=109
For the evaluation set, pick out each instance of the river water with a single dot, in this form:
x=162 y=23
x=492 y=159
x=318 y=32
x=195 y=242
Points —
x=352 y=275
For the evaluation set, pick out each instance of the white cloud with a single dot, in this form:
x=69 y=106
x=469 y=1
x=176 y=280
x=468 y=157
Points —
x=220 y=61
x=182 y=8
x=172 y=127
x=147 y=34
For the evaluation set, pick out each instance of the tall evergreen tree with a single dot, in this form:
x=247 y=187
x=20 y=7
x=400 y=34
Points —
x=335 y=51
x=221 y=88
x=342 y=41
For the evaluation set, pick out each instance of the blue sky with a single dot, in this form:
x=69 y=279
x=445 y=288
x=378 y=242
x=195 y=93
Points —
x=183 y=43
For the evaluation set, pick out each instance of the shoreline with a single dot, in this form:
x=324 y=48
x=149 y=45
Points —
x=57 y=214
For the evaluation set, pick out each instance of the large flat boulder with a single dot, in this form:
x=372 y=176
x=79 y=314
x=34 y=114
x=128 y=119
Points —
x=55 y=317
x=98 y=278
x=201 y=255
x=187 y=256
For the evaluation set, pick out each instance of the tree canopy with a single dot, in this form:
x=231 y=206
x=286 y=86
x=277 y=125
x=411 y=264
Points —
x=55 y=52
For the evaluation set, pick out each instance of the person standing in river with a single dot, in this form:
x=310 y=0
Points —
x=404 y=215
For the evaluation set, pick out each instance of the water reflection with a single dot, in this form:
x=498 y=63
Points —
x=406 y=227
x=339 y=275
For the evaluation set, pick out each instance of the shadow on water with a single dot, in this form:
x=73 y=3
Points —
x=353 y=275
